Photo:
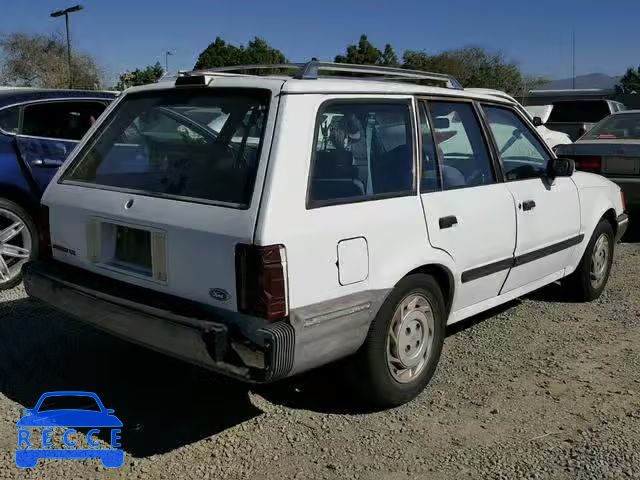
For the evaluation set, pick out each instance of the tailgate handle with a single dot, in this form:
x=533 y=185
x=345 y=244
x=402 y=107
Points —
x=528 y=205
x=447 y=222
x=47 y=162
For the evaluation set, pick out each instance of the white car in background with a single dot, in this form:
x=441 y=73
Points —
x=539 y=115
x=551 y=137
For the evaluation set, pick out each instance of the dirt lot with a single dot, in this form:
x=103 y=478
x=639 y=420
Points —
x=537 y=389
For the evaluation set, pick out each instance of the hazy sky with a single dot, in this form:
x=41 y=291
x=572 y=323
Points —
x=128 y=34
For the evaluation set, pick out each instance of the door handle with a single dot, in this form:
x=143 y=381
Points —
x=447 y=222
x=528 y=205
x=47 y=162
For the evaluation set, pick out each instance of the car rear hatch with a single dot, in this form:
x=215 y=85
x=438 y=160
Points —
x=167 y=187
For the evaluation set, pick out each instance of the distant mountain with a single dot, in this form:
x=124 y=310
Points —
x=592 y=80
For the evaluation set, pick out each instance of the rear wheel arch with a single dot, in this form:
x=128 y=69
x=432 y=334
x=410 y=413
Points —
x=20 y=197
x=443 y=276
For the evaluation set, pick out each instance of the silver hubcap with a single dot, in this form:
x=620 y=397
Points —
x=410 y=338
x=600 y=261
x=15 y=245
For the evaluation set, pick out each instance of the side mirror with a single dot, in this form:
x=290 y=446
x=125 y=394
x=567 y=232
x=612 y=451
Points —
x=441 y=123
x=561 y=167
x=537 y=121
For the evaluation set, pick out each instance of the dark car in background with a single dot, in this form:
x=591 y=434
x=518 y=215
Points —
x=575 y=117
x=612 y=149
x=38 y=129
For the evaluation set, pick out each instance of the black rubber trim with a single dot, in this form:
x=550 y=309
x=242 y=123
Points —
x=476 y=273
x=550 y=250
x=280 y=341
x=507 y=263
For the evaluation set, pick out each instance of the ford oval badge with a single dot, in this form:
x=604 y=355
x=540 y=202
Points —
x=219 y=294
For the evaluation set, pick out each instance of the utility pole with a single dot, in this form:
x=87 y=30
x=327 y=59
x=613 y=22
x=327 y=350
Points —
x=574 y=59
x=166 y=61
x=66 y=13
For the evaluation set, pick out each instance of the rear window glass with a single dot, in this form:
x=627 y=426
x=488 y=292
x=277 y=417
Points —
x=619 y=126
x=579 y=111
x=195 y=144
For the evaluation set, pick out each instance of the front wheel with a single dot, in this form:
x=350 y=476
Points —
x=588 y=281
x=404 y=343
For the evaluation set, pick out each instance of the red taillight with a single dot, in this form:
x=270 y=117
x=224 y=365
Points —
x=261 y=281
x=44 y=235
x=624 y=201
x=588 y=163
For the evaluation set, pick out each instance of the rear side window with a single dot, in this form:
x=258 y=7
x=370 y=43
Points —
x=9 y=118
x=63 y=120
x=362 y=151
x=579 y=111
x=195 y=144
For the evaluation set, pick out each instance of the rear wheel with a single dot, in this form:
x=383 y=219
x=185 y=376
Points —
x=588 y=281
x=404 y=343
x=18 y=242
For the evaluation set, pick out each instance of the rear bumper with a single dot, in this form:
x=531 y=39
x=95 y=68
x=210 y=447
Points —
x=623 y=224
x=240 y=347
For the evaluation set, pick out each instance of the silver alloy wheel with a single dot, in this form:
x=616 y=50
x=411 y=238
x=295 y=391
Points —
x=15 y=245
x=599 y=261
x=410 y=338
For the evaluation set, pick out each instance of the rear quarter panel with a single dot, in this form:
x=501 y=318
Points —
x=394 y=228
x=15 y=181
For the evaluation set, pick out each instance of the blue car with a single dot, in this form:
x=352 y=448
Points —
x=69 y=410
x=38 y=129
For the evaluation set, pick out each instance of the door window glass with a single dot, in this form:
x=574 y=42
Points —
x=63 y=120
x=521 y=153
x=463 y=151
x=363 y=150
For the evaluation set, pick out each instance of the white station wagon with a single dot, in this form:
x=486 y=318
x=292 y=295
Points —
x=262 y=226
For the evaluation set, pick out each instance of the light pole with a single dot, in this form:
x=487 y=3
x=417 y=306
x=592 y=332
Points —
x=66 y=13
x=166 y=61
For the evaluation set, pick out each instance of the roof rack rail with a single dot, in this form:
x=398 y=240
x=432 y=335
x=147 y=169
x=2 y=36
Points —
x=311 y=71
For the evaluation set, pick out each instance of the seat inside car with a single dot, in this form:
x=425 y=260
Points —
x=335 y=176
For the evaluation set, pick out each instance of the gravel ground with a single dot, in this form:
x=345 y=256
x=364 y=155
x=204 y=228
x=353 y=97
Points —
x=537 y=389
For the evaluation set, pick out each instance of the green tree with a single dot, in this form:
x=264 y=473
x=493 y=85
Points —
x=140 y=76
x=472 y=66
x=362 y=54
x=222 y=54
x=630 y=82
x=34 y=60
x=389 y=57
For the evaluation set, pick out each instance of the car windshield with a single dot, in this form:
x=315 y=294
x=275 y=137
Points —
x=199 y=144
x=623 y=126
x=67 y=402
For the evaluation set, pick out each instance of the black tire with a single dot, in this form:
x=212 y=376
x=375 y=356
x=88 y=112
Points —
x=33 y=231
x=374 y=380
x=579 y=283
